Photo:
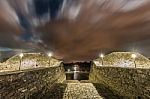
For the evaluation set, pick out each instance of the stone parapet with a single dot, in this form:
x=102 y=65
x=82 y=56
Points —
x=24 y=84
x=124 y=81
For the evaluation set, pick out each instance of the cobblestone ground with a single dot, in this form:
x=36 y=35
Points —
x=81 y=91
x=73 y=89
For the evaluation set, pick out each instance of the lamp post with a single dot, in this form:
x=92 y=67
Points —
x=0 y=58
x=49 y=56
x=20 y=55
x=134 y=57
x=101 y=56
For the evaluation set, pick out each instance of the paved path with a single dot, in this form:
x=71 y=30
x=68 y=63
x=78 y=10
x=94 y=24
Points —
x=74 y=89
x=80 y=90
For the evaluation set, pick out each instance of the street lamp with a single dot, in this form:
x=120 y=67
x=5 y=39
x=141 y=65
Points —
x=49 y=55
x=134 y=57
x=0 y=58
x=101 y=56
x=20 y=55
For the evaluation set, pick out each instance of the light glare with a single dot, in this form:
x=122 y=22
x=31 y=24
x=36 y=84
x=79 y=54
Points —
x=133 y=56
x=101 y=55
x=21 y=55
x=49 y=54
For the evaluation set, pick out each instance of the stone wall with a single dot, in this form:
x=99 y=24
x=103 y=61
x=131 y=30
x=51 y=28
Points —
x=29 y=60
x=24 y=84
x=124 y=81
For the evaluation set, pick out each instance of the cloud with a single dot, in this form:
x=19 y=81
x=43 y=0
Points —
x=96 y=28
x=81 y=28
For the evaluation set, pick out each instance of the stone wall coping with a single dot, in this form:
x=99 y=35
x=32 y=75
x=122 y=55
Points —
x=107 y=66
x=24 y=71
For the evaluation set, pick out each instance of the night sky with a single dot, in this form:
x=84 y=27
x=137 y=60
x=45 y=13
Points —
x=75 y=30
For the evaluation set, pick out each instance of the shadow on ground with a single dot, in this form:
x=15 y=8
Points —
x=58 y=90
x=107 y=93
x=55 y=92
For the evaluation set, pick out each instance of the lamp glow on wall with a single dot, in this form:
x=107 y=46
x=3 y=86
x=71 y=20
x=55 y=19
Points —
x=101 y=56
x=21 y=56
x=134 y=57
x=49 y=56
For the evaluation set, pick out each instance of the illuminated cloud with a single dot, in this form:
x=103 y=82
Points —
x=75 y=30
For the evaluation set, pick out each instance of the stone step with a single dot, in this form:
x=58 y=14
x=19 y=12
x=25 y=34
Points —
x=77 y=81
x=85 y=81
x=72 y=81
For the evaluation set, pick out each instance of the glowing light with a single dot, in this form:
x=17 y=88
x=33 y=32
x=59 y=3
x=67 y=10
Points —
x=101 y=55
x=21 y=55
x=133 y=56
x=49 y=54
x=75 y=68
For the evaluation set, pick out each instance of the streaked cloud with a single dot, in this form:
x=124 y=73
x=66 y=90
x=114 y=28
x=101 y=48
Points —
x=74 y=30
